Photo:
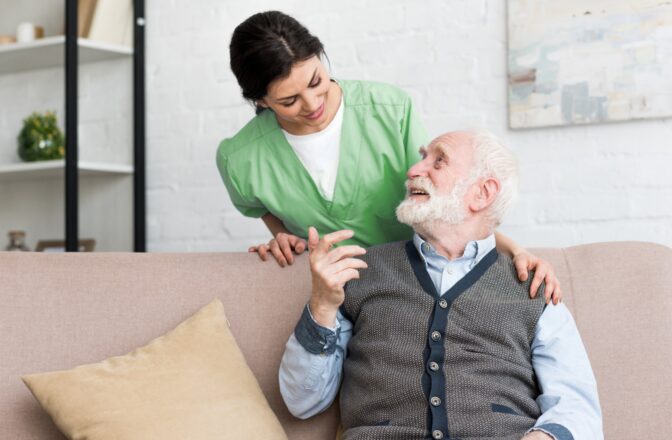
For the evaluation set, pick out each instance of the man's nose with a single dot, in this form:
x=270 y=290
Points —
x=417 y=170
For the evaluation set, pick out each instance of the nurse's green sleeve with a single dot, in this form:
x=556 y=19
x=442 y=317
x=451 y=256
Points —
x=249 y=206
x=413 y=133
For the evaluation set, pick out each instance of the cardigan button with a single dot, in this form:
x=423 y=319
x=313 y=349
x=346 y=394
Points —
x=443 y=303
x=436 y=336
x=435 y=401
x=434 y=366
x=438 y=435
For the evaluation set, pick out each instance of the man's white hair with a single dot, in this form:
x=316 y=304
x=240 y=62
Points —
x=493 y=159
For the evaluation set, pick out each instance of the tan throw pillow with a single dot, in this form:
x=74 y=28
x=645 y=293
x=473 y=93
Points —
x=191 y=383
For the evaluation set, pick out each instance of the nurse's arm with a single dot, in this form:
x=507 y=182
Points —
x=524 y=262
x=283 y=244
x=274 y=224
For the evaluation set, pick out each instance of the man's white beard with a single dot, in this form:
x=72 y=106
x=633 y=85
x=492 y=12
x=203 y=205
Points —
x=440 y=208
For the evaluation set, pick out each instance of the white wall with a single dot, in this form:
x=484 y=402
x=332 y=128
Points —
x=579 y=184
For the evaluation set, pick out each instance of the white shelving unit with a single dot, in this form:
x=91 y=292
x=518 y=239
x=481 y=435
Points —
x=32 y=194
x=48 y=52
x=51 y=169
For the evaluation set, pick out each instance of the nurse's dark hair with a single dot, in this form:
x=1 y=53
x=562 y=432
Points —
x=265 y=47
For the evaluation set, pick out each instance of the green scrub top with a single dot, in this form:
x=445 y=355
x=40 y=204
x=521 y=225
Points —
x=380 y=139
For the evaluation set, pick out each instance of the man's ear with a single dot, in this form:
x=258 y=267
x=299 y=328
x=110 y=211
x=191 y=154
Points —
x=486 y=194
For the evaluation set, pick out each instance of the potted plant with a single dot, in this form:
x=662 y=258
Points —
x=40 y=138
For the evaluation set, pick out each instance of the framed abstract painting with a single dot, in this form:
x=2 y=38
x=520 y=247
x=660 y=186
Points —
x=588 y=61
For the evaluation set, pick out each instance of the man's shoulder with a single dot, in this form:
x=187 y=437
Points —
x=505 y=273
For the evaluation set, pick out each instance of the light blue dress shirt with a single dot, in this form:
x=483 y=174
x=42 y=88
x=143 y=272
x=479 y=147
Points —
x=568 y=401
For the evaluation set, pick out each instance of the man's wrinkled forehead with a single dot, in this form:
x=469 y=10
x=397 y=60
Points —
x=455 y=140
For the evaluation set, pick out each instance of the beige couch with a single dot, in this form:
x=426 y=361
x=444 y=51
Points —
x=58 y=311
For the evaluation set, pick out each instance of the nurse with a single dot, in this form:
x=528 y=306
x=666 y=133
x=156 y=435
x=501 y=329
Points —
x=320 y=152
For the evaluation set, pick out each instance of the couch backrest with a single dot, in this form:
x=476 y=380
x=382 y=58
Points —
x=58 y=311
x=620 y=295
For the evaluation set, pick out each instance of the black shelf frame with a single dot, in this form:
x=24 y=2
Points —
x=71 y=124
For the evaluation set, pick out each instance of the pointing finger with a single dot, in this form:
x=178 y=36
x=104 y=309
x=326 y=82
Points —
x=335 y=237
x=348 y=263
x=345 y=252
x=313 y=239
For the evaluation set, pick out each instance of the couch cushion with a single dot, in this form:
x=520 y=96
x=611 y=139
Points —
x=192 y=382
x=58 y=311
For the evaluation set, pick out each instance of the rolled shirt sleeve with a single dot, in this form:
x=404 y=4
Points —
x=312 y=365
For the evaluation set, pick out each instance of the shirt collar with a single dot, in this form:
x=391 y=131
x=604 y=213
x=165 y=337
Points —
x=474 y=251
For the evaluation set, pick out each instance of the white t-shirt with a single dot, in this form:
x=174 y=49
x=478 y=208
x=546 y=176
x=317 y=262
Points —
x=319 y=153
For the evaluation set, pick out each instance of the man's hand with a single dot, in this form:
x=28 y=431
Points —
x=537 y=435
x=331 y=269
x=281 y=247
x=524 y=262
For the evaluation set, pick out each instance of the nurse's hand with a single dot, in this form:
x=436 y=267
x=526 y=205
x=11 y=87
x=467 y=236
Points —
x=331 y=269
x=282 y=248
x=543 y=271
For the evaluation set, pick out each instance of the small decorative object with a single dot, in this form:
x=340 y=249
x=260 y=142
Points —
x=40 y=138
x=27 y=32
x=85 y=245
x=7 y=39
x=17 y=241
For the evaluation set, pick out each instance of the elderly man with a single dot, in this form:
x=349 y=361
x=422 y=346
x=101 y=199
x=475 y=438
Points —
x=441 y=338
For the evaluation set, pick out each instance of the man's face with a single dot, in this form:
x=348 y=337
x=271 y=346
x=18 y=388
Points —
x=438 y=184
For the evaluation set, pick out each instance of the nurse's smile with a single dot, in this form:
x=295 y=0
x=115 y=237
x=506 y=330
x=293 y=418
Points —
x=317 y=114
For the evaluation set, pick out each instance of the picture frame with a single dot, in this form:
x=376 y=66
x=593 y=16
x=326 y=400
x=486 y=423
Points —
x=588 y=61
x=85 y=245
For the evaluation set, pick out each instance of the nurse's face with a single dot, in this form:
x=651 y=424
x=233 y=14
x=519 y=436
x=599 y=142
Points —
x=305 y=101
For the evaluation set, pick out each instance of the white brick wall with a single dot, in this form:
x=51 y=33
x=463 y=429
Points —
x=579 y=184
